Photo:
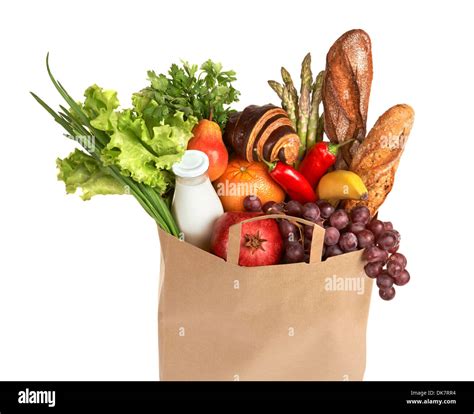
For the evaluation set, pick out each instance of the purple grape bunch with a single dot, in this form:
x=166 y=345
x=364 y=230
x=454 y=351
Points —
x=344 y=233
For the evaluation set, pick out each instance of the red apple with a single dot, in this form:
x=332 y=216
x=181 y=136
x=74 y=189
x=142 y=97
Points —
x=260 y=243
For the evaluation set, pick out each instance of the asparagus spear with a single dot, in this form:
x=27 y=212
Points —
x=287 y=102
x=290 y=106
x=304 y=102
x=291 y=87
x=320 y=128
x=314 y=114
x=277 y=87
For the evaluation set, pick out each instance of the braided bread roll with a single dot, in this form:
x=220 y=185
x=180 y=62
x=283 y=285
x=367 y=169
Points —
x=262 y=133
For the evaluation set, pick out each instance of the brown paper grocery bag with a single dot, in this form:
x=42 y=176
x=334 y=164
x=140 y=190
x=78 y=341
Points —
x=221 y=321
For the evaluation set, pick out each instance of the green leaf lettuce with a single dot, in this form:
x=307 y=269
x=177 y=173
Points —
x=99 y=105
x=81 y=171
x=140 y=145
x=147 y=158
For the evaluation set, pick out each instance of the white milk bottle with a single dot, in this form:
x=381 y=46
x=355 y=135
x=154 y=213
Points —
x=196 y=205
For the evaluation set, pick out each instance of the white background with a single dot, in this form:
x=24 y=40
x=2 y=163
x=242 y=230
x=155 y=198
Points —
x=79 y=280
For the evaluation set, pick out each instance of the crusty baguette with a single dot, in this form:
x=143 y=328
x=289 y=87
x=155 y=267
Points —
x=377 y=158
x=346 y=89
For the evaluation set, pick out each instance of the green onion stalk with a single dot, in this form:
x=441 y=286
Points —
x=79 y=124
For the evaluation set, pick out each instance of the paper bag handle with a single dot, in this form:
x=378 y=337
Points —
x=233 y=247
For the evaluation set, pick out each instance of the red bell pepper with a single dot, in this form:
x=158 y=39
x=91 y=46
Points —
x=318 y=160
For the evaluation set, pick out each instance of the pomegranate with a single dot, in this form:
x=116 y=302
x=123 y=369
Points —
x=260 y=241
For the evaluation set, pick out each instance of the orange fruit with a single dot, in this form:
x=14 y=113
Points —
x=241 y=179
